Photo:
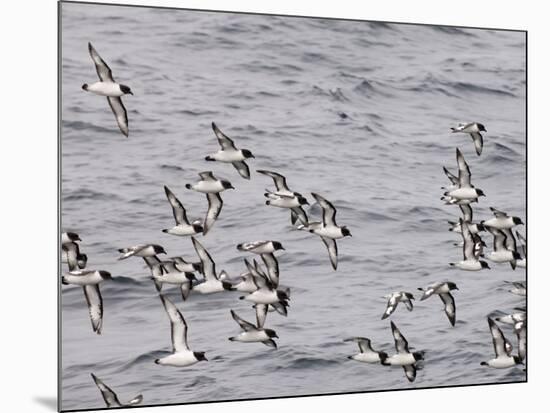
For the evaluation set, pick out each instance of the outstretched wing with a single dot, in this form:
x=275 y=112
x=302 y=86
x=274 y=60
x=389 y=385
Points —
x=223 y=140
x=401 y=344
x=102 y=69
x=278 y=179
x=177 y=208
x=95 y=306
x=242 y=168
x=332 y=249
x=450 y=308
x=215 y=204
x=329 y=212
x=109 y=396
x=177 y=324
x=245 y=325
x=478 y=141
x=464 y=173
x=120 y=114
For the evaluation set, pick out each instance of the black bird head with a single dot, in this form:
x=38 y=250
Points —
x=481 y=127
x=105 y=275
x=85 y=86
x=199 y=355
x=518 y=360
x=418 y=355
x=247 y=154
x=479 y=192
x=516 y=255
x=271 y=333
x=517 y=221
x=346 y=232
x=484 y=265
x=302 y=200
x=227 y=185
x=277 y=245
x=126 y=90
x=452 y=286
x=198 y=228
x=158 y=249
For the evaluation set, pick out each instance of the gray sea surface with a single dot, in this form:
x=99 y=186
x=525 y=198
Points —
x=359 y=112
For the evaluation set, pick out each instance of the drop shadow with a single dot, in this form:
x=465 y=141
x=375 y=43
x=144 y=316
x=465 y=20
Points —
x=48 y=402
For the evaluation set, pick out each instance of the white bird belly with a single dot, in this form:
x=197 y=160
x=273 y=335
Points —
x=182 y=230
x=228 y=156
x=284 y=202
x=500 y=256
x=401 y=359
x=182 y=359
x=464 y=193
x=252 y=337
x=263 y=297
x=499 y=223
x=173 y=278
x=90 y=279
x=105 y=89
x=367 y=357
x=502 y=362
x=469 y=265
x=329 y=232
x=209 y=287
x=208 y=187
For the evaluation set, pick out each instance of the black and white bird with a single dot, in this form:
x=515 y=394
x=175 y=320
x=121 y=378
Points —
x=443 y=289
x=109 y=88
x=501 y=220
x=266 y=292
x=142 y=250
x=185 y=266
x=501 y=253
x=366 y=353
x=209 y=184
x=90 y=280
x=68 y=237
x=474 y=129
x=403 y=357
x=523 y=243
x=470 y=261
x=266 y=250
x=503 y=357
x=282 y=189
x=254 y=333
x=183 y=227
x=212 y=282
x=394 y=299
x=455 y=183
x=465 y=190
x=230 y=154
x=181 y=355
x=328 y=230
x=111 y=398
x=292 y=202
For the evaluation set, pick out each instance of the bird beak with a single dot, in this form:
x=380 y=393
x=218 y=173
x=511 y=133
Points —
x=131 y=93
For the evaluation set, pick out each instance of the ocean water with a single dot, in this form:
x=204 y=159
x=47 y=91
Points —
x=357 y=111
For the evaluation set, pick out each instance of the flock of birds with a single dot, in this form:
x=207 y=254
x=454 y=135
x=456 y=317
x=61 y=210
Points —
x=259 y=283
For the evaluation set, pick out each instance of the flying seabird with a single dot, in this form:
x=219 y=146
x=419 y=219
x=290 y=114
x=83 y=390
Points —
x=266 y=250
x=296 y=213
x=403 y=357
x=181 y=355
x=394 y=299
x=90 y=280
x=254 y=333
x=142 y=250
x=474 y=129
x=209 y=184
x=183 y=227
x=503 y=357
x=501 y=220
x=328 y=230
x=230 y=154
x=109 y=88
x=500 y=251
x=443 y=289
x=465 y=190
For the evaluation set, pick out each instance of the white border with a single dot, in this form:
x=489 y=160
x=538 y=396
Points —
x=29 y=156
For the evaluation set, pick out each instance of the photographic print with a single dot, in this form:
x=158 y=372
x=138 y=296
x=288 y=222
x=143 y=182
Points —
x=263 y=206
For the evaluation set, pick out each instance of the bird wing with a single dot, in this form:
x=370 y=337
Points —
x=224 y=141
x=523 y=243
x=410 y=372
x=109 y=396
x=497 y=213
x=177 y=324
x=298 y=213
x=454 y=179
x=272 y=266
x=469 y=243
x=278 y=179
x=329 y=212
x=466 y=212
x=478 y=141
x=261 y=314
x=208 y=265
x=245 y=325
x=242 y=168
x=177 y=208
x=120 y=113
x=207 y=176
x=215 y=204
x=95 y=306
x=498 y=338
x=450 y=308
x=390 y=306
x=401 y=344
x=464 y=173
x=332 y=249
x=103 y=70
